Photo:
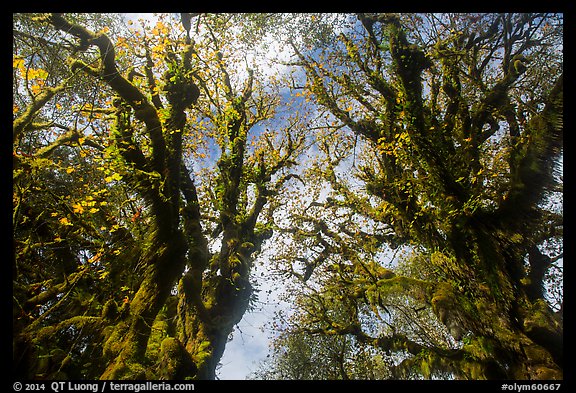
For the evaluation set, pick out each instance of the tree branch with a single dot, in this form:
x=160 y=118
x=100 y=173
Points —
x=143 y=110
x=532 y=159
x=25 y=119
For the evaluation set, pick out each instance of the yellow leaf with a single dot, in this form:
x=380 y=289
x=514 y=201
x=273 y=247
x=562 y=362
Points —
x=115 y=176
x=36 y=88
x=65 y=221
x=95 y=258
x=94 y=210
x=70 y=170
x=38 y=73
x=77 y=208
x=18 y=62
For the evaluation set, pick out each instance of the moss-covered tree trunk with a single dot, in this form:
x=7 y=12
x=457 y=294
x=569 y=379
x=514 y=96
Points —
x=216 y=291
x=157 y=179
x=225 y=297
x=126 y=346
x=508 y=328
x=524 y=333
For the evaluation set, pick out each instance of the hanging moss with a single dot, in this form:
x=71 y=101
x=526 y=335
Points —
x=426 y=363
x=480 y=348
x=110 y=310
x=394 y=284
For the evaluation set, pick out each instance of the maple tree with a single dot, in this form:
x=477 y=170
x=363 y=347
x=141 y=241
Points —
x=404 y=171
x=150 y=266
x=434 y=228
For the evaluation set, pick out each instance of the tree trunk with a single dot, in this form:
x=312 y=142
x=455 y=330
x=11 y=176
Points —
x=126 y=346
x=205 y=333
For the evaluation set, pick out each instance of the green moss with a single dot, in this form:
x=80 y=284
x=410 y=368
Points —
x=546 y=373
x=135 y=371
x=443 y=296
x=122 y=369
x=202 y=353
x=479 y=348
x=158 y=334
x=425 y=368
x=113 y=343
x=170 y=347
x=474 y=370
x=538 y=317
x=110 y=310
x=247 y=246
x=535 y=353
x=234 y=262
x=79 y=322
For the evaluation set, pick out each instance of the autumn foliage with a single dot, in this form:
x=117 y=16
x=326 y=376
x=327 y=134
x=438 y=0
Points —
x=400 y=173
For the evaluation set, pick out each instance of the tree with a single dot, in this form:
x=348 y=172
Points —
x=410 y=184
x=301 y=356
x=127 y=264
x=455 y=131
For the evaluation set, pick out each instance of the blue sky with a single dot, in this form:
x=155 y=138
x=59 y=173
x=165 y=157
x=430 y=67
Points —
x=249 y=346
x=252 y=337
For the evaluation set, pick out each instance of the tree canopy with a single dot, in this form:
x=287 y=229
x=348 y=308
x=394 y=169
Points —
x=403 y=170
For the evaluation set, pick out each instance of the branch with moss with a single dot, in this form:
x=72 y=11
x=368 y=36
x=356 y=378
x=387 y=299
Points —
x=108 y=71
x=533 y=157
x=22 y=122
